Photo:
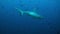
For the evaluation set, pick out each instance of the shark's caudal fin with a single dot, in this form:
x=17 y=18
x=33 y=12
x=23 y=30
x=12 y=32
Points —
x=20 y=11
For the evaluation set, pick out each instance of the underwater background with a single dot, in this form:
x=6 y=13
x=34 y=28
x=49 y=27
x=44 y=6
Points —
x=12 y=23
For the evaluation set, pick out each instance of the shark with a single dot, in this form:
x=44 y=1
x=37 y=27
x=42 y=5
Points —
x=32 y=13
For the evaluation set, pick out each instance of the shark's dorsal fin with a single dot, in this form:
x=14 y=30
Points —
x=34 y=9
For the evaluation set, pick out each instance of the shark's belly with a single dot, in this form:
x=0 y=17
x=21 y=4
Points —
x=34 y=14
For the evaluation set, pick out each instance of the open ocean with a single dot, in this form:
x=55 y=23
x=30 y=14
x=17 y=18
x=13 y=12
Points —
x=12 y=23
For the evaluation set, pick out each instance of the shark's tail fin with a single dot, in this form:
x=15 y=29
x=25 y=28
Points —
x=20 y=11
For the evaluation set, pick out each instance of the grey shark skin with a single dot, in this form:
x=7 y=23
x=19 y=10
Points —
x=30 y=13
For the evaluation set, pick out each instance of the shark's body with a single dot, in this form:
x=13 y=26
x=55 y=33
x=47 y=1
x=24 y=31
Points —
x=30 y=13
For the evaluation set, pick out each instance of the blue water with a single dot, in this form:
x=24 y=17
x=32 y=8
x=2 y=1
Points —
x=12 y=23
